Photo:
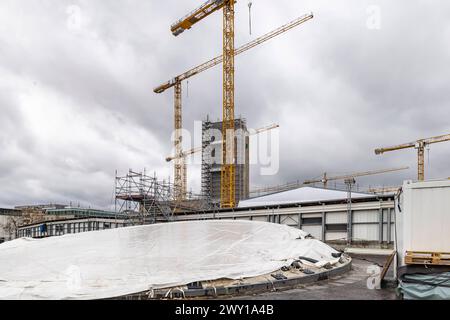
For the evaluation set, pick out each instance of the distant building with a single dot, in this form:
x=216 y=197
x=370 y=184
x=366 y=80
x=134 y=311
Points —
x=10 y=219
x=63 y=227
x=212 y=160
x=51 y=220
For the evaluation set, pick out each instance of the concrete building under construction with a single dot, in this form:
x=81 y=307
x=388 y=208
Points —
x=212 y=160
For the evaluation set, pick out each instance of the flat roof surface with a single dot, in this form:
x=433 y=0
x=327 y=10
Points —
x=302 y=194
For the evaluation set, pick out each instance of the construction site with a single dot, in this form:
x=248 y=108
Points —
x=324 y=238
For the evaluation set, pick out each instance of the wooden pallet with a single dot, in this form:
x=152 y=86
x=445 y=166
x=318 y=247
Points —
x=427 y=258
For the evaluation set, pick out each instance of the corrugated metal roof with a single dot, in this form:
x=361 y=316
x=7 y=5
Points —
x=303 y=194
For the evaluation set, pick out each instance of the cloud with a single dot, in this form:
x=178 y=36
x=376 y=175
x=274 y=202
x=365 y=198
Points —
x=77 y=101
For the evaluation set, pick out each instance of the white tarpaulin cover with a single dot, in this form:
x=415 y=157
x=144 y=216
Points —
x=112 y=263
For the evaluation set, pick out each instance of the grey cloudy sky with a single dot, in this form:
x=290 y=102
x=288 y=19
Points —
x=77 y=104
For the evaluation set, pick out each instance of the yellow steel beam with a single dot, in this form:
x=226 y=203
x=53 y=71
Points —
x=195 y=16
x=218 y=60
x=227 y=185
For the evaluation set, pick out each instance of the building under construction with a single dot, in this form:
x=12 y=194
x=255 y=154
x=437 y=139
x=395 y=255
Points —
x=145 y=199
x=212 y=160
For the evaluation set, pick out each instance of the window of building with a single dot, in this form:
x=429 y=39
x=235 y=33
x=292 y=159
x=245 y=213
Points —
x=59 y=229
x=340 y=227
x=312 y=221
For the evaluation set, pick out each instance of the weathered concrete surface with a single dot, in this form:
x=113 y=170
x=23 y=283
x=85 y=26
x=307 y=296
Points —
x=351 y=286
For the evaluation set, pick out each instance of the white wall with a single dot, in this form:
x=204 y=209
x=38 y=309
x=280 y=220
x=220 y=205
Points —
x=424 y=223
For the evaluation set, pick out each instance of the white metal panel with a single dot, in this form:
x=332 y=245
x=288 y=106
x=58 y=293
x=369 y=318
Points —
x=243 y=218
x=385 y=216
x=366 y=232
x=336 y=218
x=426 y=221
x=260 y=218
x=392 y=232
x=311 y=215
x=288 y=211
x=385 y=235
x=315 y=231
x=366 y=216
x=332 y=236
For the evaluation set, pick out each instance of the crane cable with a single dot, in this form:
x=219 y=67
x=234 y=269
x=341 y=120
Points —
x=250 y=3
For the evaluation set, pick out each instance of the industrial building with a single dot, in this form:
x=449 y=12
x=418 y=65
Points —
x=212 y=160
x=323 y=213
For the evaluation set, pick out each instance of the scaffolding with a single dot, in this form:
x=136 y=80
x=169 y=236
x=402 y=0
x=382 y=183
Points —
x=211 y=161
x=146 y=200
x=206 y=161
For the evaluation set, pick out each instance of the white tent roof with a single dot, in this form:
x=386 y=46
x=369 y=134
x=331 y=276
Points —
x=303 y=194
x=117 y=262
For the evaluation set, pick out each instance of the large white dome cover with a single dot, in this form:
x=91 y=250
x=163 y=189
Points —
x=112 y=263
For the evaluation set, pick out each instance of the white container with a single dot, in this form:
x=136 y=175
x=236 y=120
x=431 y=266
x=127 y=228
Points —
x=424 y=221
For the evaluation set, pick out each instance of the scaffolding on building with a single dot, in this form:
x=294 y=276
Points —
x=211 y=160
x=206 y=161
x=146 y=200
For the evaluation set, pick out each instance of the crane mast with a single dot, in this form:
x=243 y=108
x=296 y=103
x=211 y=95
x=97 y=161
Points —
x=180 y=178
x=227 y=185
x=420 y=145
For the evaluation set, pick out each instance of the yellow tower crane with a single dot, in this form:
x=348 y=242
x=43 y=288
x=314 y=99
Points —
x=186 y=154
x=420 y=146
x=228 y=167
x=325 y=178
x=178 y=28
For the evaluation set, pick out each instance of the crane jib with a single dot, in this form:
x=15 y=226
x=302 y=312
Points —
x=218 y=60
